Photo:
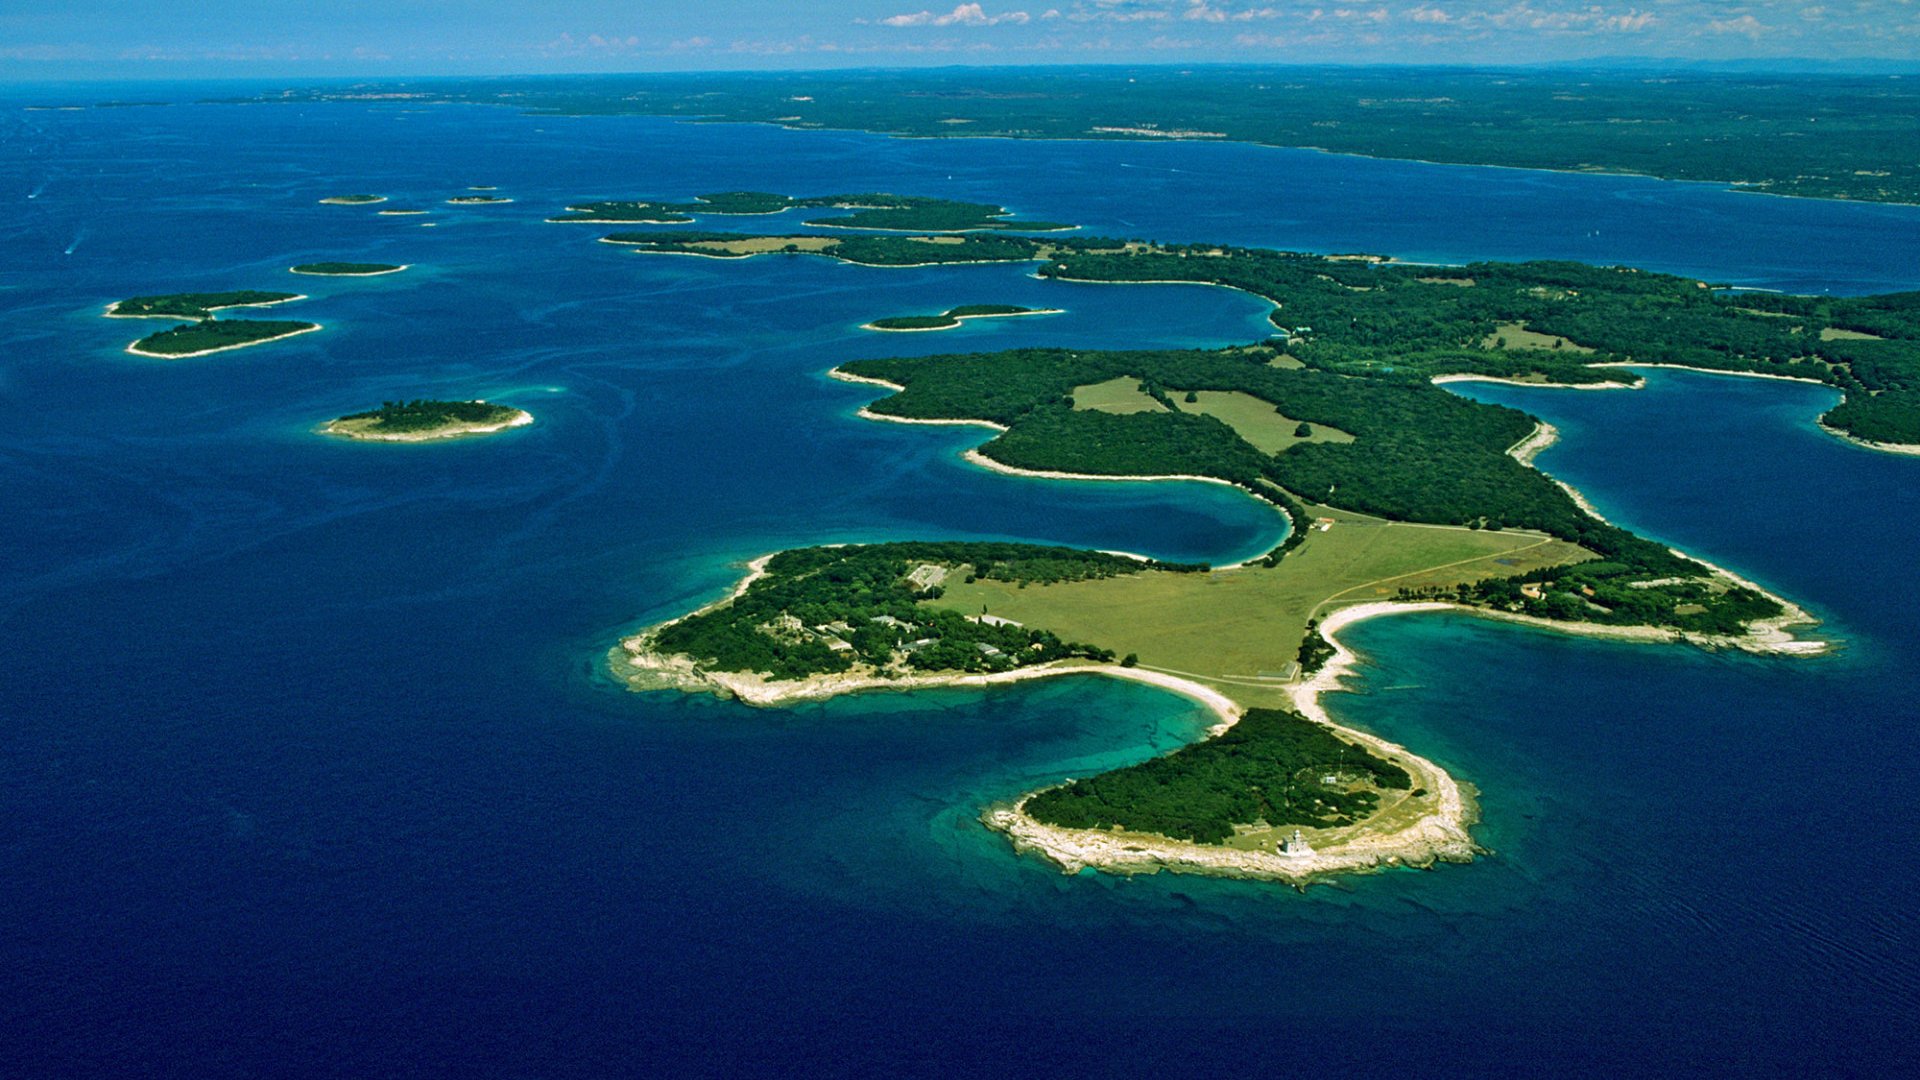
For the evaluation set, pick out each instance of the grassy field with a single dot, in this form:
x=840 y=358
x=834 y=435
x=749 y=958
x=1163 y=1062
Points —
x=1228 y=627
x=1517 y=336
x=1122 y=395
x=1254 y=419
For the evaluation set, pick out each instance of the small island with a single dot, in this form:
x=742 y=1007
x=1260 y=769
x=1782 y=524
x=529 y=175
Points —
x=213 y=335
x=623 y=212
x=477 y=200
x=353 y=200
x=871 y=211
x=423 y=420
x=346 y=269
x=953 y=317
x=400 y=213
x=195 y=305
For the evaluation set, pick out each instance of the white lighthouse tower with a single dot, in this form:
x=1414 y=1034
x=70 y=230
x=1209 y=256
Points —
x=1295 y=846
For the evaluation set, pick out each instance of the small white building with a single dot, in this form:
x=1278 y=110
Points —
x=1295 y=846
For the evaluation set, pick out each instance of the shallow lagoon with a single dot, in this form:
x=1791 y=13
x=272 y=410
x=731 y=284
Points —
x=310 y=756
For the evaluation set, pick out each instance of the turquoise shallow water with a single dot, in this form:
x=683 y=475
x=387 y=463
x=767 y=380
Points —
x=310 y=763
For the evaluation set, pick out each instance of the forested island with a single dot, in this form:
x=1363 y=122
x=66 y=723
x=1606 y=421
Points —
x=194 y=305
x=478 y=200
x=953 y=317
x=204 y=333
x=1825 y=136
x=216 y=335
x=1398 y=495
x=347 y=269
x=871 y=211
x=353 y=200
x=425 y=420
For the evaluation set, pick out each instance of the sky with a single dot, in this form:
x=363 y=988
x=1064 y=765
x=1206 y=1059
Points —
x=107 y=39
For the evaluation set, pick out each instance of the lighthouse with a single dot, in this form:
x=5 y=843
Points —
x=1295 y=846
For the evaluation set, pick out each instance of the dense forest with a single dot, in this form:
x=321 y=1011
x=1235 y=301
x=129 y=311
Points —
x=421 y=414
x=1272 y=767
x=829 y=609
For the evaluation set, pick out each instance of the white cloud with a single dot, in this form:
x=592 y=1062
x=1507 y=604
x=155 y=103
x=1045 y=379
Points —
x=1745 y=25
x=1203 y=11
x=961 y=15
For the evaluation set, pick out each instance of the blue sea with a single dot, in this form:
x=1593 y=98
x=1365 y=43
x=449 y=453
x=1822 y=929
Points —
x=310 y=762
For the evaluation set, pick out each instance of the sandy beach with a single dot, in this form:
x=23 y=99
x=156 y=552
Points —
x=1462 y=377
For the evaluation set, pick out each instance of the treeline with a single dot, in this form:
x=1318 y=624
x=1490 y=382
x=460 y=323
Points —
x=1270 y=767
x=824 y=610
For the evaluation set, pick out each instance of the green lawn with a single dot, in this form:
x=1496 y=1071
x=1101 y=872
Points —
x=1255 y=420
x=1122 y=395
x=1229 y=626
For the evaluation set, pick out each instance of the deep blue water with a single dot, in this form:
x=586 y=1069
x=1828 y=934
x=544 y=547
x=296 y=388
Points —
x=310 y=764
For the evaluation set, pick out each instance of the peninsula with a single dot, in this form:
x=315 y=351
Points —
x=347 y=269
x=1397 y=496
x=422 y=420
x=953 y=317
